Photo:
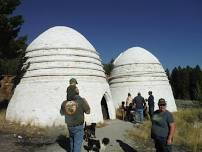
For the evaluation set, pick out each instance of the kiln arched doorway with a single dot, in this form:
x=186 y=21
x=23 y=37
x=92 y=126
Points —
x=104 y=106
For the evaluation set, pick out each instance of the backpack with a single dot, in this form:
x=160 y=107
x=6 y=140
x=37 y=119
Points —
x=70 y=107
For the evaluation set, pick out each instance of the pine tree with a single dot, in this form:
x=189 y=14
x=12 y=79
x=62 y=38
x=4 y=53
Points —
x=185 y=84
x=176 y=82
x=197 y=92
x=173 y=81
x=12 y=47
x=168 y=74
x=109 y=67
x=196 y=84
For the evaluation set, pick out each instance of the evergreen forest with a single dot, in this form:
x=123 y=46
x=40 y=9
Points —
x=186 y=82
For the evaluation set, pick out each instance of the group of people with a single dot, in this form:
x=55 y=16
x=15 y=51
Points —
x=163 y=125
x=137 y=108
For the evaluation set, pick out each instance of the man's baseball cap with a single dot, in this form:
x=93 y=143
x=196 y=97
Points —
x=162 y=101
x=73 y=80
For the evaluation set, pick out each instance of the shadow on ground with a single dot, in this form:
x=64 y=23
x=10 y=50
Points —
x=63 y=141
x=125 y=147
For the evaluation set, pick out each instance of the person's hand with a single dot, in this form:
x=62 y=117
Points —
x=169 y=141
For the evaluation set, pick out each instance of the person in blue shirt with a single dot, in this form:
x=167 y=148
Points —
x=139 y=103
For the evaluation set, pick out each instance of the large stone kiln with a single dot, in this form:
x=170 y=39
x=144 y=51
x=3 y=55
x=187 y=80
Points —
x=54 y=57
x=137 y=70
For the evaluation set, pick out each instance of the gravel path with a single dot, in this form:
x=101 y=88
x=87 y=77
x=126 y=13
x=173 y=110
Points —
x=114 y=130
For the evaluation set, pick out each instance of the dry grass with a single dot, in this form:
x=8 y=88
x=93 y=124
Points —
x=119 y=113
x=188 y=131
x=16 y=128
x=189 y=128
x=32 y=131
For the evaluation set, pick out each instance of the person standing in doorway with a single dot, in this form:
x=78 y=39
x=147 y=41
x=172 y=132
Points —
x=151 y=104
x=163 y=128
x=139 y=103
x=123 y=110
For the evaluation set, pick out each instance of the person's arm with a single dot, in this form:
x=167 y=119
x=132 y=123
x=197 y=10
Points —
x=86 y=106
x=62 y=107
x=172 y=127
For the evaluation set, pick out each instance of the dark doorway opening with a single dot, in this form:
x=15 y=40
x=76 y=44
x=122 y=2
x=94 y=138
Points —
x=105 y=112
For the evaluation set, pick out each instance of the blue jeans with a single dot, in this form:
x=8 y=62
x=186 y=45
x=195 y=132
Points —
x=76 y=138
x=140 y=116
x=161 y=145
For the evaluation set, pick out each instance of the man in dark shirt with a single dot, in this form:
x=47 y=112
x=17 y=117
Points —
x=74 y=117
x=151 y=104
x=139 y=104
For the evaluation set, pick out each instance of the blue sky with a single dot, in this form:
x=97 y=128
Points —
x=170 y=29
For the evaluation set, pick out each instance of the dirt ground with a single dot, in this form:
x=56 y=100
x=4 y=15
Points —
x=115 y=130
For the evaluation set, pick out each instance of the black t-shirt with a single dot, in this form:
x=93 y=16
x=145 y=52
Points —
x=151 y=100
x=139 y=102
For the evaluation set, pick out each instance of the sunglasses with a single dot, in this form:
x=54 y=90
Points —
x=162 y=104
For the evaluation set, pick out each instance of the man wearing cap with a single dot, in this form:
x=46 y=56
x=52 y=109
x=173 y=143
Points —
x=163 y=128
x=74 y=108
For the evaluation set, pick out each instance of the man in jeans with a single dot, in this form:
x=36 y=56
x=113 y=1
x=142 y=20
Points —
x=74 y=108
x=163 y=128
x=139 y=106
